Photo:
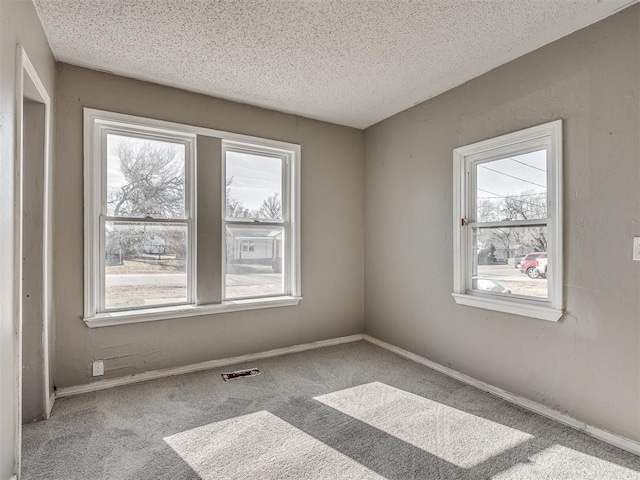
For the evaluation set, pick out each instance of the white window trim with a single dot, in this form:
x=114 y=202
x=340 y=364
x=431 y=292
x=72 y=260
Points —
x=551 y=309
x=96 y=130
x=93 y=204
x=184 y=311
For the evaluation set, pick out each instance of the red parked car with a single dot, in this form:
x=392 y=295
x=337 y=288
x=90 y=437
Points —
x=529 y=264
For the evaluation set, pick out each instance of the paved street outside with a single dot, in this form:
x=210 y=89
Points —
x=519 y=283
x=135 y=289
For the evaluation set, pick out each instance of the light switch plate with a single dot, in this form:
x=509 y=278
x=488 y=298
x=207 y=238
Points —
x=636 y=249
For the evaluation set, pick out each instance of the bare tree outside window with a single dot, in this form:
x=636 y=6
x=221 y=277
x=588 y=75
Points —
x=235 y=208
x=527 y=204
x=151 y=180
x=271 y=207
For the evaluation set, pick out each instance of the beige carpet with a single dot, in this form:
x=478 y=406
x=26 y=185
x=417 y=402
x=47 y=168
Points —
x=353 y=411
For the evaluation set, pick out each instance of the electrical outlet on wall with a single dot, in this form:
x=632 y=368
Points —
x=98 y=368
x=636 y=249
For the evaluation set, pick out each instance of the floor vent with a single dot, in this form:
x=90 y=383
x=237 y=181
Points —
x=249 y=372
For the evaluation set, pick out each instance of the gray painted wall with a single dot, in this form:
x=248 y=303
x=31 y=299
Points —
x=587 y=365
x=18 y=24
x=332 y=235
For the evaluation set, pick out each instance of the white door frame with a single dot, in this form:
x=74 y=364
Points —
x=24 y=66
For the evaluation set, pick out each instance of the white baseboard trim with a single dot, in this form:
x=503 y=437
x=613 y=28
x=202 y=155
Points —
x=168 y=372
x=611 y=438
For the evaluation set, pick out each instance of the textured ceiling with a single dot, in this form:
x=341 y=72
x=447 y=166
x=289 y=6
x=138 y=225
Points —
x=351 y=62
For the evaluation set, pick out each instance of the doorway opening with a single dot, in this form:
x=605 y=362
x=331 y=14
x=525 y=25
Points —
x=34 y=384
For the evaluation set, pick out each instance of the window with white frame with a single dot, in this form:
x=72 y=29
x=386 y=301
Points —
x=142 y=255
x=142 y=219
x=508 y=223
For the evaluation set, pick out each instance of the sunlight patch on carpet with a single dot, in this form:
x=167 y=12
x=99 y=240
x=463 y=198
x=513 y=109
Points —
x=261 y=445
x=458 y=437
x=560 y=462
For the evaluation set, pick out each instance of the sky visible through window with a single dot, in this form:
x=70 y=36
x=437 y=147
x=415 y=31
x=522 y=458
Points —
x=513 y=176
x=255 y=178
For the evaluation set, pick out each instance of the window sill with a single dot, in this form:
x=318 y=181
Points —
x=182 y=311
x=542 y=312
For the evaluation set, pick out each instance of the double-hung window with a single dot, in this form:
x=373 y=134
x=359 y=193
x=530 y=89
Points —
x=508 y=223
x=141 y=220
x=156 y=193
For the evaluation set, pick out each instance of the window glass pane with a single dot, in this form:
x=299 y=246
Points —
x=145 y=264
x=255 y=261
x=254 y=186
x=512 y=188
x=145 y=177
x=502 y=264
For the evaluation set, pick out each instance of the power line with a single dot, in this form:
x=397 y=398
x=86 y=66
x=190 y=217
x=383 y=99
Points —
x=492 y=193
x=512 y=196
x=511 y=176
x=527 y=165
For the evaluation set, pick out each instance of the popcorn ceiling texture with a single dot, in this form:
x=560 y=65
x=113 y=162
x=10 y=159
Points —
x=351 y=62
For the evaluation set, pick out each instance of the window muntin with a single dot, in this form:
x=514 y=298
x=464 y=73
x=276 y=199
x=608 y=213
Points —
x=257 y=213
x=507 y=217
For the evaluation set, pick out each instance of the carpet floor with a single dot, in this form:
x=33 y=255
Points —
x=352 y=411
